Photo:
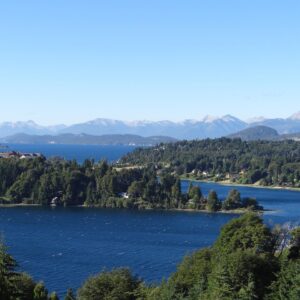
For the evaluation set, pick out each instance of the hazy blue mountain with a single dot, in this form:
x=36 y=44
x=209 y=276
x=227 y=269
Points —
x=29 y=127
x=209 y=126
x=283 y=126
x=188 y=129
x=68 y=138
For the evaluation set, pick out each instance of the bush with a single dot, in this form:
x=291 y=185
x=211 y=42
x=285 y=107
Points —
x=118 y=284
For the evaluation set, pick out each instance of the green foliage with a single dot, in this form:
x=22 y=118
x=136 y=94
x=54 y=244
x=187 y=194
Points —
x=7 y=274
x=194 y=192
x=53 y=296
x=18 y=286
x=287 y=285
x=39 y=181
x=192 y=273
x=294 y=250
x=213 y=203
x=245 y=233
x=70 y=295
x=240 y=265
x=241 y=274
x=66 y=183
x=24 y=286
x=118 y=284
x=40 y=292
x=233 y=200
x=264 y=162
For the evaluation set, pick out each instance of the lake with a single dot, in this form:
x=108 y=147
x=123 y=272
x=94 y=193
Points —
x=78 y=152
x=63 y=246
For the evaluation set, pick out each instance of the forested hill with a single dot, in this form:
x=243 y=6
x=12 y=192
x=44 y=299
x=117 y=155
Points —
x=261 y=162
x=257 y=133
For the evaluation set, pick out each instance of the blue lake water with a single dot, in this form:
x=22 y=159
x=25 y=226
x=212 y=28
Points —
x=78 y=152
x=63 y=246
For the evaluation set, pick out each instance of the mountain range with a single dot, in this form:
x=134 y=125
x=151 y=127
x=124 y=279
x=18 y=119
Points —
x=209 y=126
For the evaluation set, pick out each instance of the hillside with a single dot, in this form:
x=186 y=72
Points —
x=231 y=160
x=257 y=133
x=263 y=133
x=113 y=139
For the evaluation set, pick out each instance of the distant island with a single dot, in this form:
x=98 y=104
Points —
x=56 y=182
x=86 y=139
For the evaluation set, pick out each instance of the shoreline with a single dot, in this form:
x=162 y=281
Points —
x=235 y=211
x=278 y=188
x=18 y=205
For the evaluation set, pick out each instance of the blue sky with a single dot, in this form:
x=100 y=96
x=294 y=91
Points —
x=72 y=61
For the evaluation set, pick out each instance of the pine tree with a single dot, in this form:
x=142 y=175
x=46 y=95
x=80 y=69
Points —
x=70 y=295
x=40 y=292
x=53 y=296
x=7 y=273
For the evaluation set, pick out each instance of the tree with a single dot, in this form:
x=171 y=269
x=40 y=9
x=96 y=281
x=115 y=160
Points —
x=70 y=295
x=7 y=274
x=287 y=285
x=176 y=191
x=53 y=296
x=245 y=233
x=136 y=189
x=118 y=284
x=233 y=200
x=192 y=273
x=40 y=292
x=294 y=251
x=24 y=286
x=213 y=203
x=251 y=204
x=196 y=198
x=195 y=193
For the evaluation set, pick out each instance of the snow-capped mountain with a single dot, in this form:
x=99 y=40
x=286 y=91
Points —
x=283 y=126
x=295 y=116
x=187 y=129
x=29 y=127
x=209 y=126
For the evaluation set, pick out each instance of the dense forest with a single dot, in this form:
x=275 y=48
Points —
x=61 y=182
x=265 y=163
x=248 y=261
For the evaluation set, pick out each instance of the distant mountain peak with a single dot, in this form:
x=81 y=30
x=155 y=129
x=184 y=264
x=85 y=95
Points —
x=256 y=119
x=295 y=116
x=209 y=119
x=226 y=118
x=229 y=118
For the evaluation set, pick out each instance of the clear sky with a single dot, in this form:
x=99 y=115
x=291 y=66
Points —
x=70 y=61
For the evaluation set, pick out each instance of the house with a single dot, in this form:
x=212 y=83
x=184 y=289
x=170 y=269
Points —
x=54 y=202
x=124 y=195
x=29 y=155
